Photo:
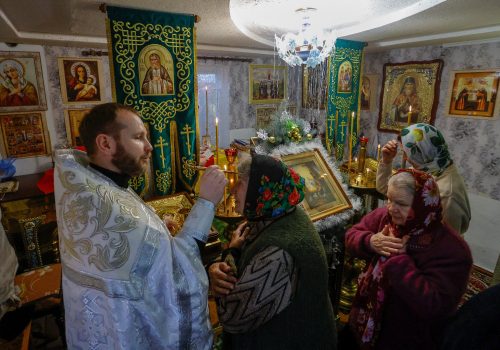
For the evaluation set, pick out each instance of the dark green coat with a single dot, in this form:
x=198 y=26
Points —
x=308 y=322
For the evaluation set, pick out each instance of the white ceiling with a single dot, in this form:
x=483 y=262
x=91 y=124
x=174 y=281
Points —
x=81 y=23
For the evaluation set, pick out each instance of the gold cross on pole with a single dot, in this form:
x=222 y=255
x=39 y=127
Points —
x=342 y=128
x=186 y=131
x=331 y=119
x=161 y=143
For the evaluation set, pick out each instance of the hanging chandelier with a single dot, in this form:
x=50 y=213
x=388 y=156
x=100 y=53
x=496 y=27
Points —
x=310 y=46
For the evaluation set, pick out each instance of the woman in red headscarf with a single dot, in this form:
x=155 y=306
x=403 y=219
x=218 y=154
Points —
x=417 y=268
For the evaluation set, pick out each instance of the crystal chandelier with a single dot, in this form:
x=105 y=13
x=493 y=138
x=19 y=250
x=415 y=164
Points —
x=309 y=47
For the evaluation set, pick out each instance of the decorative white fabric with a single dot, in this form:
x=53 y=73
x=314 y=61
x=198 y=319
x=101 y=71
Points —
x=127 y=283
x=8 y=268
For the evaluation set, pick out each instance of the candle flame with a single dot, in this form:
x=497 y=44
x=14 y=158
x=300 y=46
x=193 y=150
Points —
x=216 y=121
x=206 y=87
x=410 y=108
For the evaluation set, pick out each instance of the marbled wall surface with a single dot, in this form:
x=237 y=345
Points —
x=474 y=144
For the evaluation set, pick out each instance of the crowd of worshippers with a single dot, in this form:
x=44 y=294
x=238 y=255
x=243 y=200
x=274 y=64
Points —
x=129 y=284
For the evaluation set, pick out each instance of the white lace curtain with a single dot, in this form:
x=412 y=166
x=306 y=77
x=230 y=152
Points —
x=213 y=94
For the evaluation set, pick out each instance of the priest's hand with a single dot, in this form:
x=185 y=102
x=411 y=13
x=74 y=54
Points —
x=212 y=184
x=221 y=281
x=389 y=151
x=384 y=243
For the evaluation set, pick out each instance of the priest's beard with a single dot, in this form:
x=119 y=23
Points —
x=127 y=163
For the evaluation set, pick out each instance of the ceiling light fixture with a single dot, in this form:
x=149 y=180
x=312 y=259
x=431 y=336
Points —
x=310 y=46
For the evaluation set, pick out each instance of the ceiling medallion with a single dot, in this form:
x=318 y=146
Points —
x=310 y=46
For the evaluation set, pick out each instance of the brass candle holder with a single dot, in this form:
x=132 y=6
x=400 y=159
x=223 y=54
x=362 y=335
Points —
x=353 y=268
x=362 y=172
x=226 y=210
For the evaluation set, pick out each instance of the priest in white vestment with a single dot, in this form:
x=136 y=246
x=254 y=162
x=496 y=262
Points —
x=127 y=282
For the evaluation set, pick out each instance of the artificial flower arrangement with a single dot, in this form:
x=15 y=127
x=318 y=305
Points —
x=284 y=129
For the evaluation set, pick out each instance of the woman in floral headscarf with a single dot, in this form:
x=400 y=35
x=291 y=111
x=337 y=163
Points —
x=417 y=268
x=275 y=296
x=426 y=150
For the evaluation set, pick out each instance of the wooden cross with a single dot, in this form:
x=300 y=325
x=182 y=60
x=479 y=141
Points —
x=187 y=130
x=161 y=143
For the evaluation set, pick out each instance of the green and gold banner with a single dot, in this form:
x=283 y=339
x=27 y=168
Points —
x=344 y=71
x=153 y=60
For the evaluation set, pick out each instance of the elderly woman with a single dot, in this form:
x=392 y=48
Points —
x=417 y=268
x=275 y=296
x=426 y=150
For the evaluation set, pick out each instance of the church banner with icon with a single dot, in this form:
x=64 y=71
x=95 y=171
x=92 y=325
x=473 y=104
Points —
x=153 y=70
x=344 y=71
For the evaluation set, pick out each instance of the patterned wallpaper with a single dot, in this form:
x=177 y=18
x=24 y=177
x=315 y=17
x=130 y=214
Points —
x=52 y=53
x=474 y=144
x=243 y=114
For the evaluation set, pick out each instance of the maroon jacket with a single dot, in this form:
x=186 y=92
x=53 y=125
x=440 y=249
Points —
x=425 y=286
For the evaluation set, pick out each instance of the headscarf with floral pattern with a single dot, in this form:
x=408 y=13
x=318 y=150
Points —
x=273 y=188
x=425 y=213
x=426 y=148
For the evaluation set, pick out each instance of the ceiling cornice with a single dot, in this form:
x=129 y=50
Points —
x=440 y=37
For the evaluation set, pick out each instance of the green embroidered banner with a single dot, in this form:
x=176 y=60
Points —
x=344 y=71
x=152 y=59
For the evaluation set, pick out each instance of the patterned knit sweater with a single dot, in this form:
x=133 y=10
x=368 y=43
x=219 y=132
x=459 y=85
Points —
x=307 y=322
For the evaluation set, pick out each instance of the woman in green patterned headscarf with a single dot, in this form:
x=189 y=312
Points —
x=426 y=150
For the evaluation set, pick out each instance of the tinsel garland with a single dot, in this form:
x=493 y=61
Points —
x=285 y=128
x=295 y=148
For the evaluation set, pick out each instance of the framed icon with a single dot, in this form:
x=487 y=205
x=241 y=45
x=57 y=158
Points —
x=473 y=93
x=81 y=80
x=324 y=195
x=21 y=82
x=73 y=117
x=268 y=83
x=410 y=94
x=24 y=135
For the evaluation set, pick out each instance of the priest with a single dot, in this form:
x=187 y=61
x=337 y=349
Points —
x=127 y=282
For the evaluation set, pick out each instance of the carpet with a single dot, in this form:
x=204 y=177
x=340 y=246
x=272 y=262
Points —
x=479 y=280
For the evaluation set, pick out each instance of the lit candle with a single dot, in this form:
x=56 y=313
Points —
x=225 y=192
x=378 y=153
x=409 y=117
x=216 y=141
x=351 y=128
x=206 y=110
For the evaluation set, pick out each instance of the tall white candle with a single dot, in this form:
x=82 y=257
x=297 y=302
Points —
x=206 y=110
x=217 y=141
